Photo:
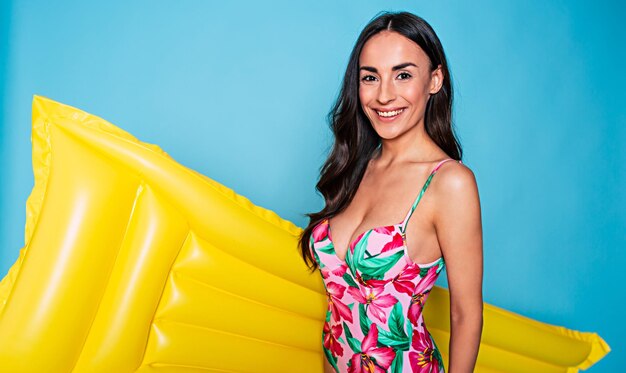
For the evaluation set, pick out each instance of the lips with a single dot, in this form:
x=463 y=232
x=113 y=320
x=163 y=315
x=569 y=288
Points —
x=389 y=113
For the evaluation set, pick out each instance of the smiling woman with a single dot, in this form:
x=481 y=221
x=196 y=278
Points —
x=396 y=94
x=392 y=125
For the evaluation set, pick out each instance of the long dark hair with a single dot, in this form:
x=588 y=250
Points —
x=356 y=140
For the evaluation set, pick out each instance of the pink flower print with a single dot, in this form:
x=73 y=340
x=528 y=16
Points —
x=385 y=229
x=396 y=241
x=325 y=272
x=416 y=307
x=355 y=242
x=403 y=282
x=331 y=336
x=338 y=309
x=320 y=231
x=374 y=300
x=339 y=271
x=371 y=282
x=422 y=360
x=372 y=359
x=420 y=294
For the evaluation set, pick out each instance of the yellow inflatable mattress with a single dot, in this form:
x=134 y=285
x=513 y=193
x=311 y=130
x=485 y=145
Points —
x=135 y=263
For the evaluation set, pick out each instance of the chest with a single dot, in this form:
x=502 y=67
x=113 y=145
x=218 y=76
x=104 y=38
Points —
x=377 y=254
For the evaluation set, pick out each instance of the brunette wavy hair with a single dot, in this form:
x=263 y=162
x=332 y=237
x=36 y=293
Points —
x=355 y=139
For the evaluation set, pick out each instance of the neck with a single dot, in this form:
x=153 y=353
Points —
x=413 y=146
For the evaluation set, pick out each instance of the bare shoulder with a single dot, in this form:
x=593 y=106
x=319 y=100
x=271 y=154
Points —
x=454 y=178
x=455 y=193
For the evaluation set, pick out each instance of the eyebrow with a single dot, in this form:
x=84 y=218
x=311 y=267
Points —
x=397 y=67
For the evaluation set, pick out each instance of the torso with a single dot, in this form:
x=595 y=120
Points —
x=382 y=199
x=378 y=278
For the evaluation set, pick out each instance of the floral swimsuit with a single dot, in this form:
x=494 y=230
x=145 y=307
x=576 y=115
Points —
x=376 y=296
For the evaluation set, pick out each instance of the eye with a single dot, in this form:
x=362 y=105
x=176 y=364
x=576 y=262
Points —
x=405 y=75
x=366 y=78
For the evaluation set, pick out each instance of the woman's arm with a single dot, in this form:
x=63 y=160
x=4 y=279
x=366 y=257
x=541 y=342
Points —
x=459 y=230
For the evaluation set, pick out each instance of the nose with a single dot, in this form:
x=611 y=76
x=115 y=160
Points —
x=386 y=92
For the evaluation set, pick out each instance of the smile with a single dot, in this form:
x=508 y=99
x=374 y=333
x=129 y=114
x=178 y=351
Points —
x=389 y=114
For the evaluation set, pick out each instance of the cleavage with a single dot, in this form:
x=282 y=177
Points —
x=356 y=239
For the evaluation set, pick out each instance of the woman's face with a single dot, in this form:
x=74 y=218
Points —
x=395 y=83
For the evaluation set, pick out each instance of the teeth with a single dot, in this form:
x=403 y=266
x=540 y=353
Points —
x=388 y=114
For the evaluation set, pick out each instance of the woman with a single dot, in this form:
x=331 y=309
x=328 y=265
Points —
x=393 y=132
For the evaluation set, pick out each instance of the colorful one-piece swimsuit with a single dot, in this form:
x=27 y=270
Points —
x=374 y=320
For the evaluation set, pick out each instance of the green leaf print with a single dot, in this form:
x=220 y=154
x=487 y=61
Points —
x=398 y=362
x=364 y=320
x=359 y=250
x=354 y=343
x=370 y=255
x=389 y=339
x=317 y=257
x=379 y=266
x=396 y=322
x=331 y=359
x=440 y=266
x=409 y=329
x=328 y=249
x=349 y=280
x=396 y=336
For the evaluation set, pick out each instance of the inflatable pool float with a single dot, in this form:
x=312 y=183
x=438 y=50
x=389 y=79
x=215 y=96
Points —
x=135 y=263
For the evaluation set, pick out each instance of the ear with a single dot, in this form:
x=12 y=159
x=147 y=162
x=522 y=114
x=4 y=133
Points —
x=436 y=80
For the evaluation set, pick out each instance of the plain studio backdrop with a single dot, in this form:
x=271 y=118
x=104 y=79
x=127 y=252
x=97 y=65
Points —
x=239 y=92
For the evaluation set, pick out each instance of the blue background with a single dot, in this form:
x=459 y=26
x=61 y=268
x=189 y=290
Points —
x=239 y=91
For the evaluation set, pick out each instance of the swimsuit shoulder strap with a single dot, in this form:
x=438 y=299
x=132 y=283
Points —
x=419 y=196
